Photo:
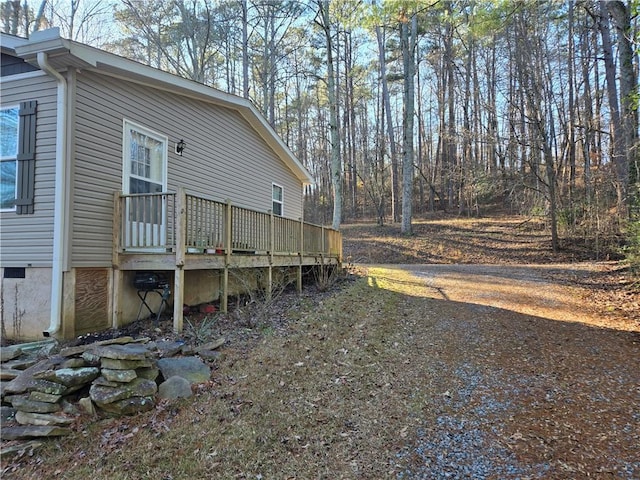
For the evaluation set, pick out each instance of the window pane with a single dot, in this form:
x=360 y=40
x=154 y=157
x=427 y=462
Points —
x=147 y=156
x=277 y=209
x=9 y=132
x=7 y=184
x=277 y=193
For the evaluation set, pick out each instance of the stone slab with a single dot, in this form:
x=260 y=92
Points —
x=24 y=381
x=44 y=397
x=74 y=363
x=7 y=413
x=106 y=383
x=169 y=349
x=87 y=405
x=129 y=406
x=23 y=404
x=41 y=348
x=130 y=351
x=45 y=419
x=70 y=377
x=9 y=373
x=140 y=387
x=115 y=364
x=70 y=408
x=122 y=376
x=9 y=353
x=45 y=386
x=175 y=387
x=91 y=358
x=73 y=351
x=21 y=363
x=191 y=368
x=210 y=355
x=33 y=431
x=210 y=345
x=150 y=373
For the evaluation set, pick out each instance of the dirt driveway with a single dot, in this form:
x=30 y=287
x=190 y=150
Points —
x=538 y=290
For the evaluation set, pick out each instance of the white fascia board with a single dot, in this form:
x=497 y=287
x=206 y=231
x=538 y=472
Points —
x=53 y=47
x=11 y=42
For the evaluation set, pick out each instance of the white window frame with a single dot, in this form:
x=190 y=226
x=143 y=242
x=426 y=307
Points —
x=274 y=201
x=13 y=157
x=126 y=145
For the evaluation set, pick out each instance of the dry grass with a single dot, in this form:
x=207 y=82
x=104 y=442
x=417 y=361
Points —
x=298 y=405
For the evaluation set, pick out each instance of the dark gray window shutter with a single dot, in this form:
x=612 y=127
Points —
x=26 y=158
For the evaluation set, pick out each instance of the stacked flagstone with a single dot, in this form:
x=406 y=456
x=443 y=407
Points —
x=113 y=377
x=127 y=385
x=36 y=394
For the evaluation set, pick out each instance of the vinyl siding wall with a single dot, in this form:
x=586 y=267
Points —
x=224 y=157
x=27 y=240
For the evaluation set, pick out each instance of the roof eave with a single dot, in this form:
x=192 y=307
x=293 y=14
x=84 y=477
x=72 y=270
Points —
x=64 y=53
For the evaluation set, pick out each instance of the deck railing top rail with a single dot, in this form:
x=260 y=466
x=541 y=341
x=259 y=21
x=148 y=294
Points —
x=160 y=222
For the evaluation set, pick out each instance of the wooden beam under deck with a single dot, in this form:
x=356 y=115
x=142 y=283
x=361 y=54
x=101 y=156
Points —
x=167 y=261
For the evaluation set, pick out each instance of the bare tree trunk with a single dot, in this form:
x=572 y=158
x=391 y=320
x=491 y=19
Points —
x=466 y=191
x=449 y=133
x=421 y=139
x=350 y=116
x=588 y=120
x=395 y=194
x=621 y=14
x=618 y=144
x=336 y=164
x=408 y=34
x=39 y=15
x=245 y=49
x=571 y=106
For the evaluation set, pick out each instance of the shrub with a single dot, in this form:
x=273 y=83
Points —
x=631 y=249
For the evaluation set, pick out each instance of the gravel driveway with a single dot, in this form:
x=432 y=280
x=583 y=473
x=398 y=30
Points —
x=522 y=379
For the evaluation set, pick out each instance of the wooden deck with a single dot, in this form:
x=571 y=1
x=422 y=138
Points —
x=179 y=231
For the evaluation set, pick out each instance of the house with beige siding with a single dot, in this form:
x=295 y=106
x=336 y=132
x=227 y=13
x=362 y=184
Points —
x=112 y=171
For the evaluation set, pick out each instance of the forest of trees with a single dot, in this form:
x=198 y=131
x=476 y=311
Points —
x=402 y=107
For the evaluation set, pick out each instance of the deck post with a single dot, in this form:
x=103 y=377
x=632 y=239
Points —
x=224 y=301
x=300 y=256
x=116 y=297
x=178 y=299
x=116 y=229
x=116 y=283
x=272 y=242
x=178 y=283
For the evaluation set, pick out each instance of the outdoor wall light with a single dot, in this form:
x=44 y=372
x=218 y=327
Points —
x=180 y=147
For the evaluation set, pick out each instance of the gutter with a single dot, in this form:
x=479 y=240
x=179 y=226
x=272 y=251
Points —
x=59 y=199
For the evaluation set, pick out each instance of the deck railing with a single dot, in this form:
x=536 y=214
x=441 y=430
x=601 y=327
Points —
x=153 y=222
